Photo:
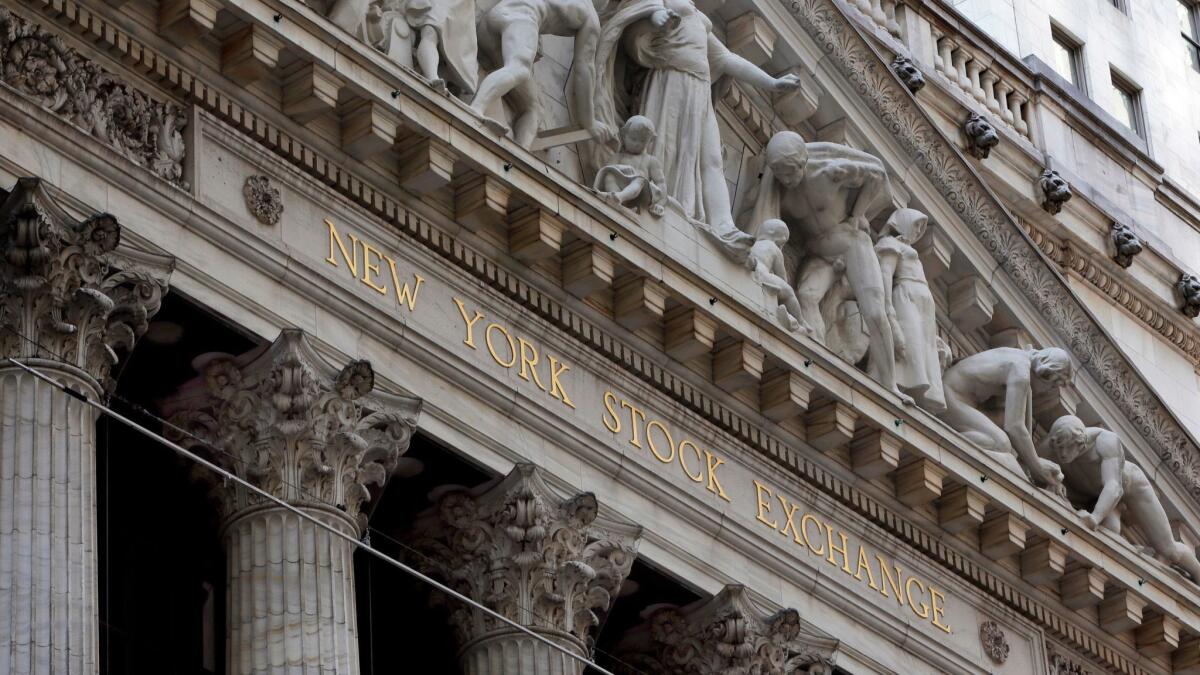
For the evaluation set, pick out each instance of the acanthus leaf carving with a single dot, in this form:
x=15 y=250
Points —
x=279 y=418
x=40 y=66
x=514 y=545
x=69 y=295
x=727 y=634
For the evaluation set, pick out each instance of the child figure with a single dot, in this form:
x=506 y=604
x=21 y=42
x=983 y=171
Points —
x=634 y=177
x=441 y=34
x=766 y=265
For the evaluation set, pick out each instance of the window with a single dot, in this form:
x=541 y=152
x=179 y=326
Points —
x=1127 y=99
x=1189 y=26
x=1068 y=58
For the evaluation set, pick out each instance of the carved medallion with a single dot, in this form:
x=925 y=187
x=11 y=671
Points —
x=995 y=644
x=263 y=199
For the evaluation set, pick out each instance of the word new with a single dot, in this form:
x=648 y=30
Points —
x=359 y=257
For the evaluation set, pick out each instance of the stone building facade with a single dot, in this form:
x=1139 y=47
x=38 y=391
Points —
x=821 y=336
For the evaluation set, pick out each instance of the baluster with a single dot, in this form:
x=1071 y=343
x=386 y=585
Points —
x=976 y=90
x=961 y=56
x=864 y=6
x=941 y=52
x=1015 y=99
x=893 y=26
x=877 y=13
x=1002 y=90
x=988 y=80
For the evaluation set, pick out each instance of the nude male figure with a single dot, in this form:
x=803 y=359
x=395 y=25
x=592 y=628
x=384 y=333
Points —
x=981 y=376
x=1094 y=462
x=509 y=34
x=829 y=192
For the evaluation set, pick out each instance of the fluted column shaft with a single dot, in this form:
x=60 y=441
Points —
x=290 y=594
x=510 y=652
x=48 y=601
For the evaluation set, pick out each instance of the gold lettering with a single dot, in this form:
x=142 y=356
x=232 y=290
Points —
x=369 y=268
x=556 y=388
x=714 y=485
x=912 y=604
x=804 y=521
x=697 y=477
x=529 y=359
x=885 y=570
x=470 y=341
x=405 y=295
x=843 y=550
x=865 y=564
x=636 y=432
x=938 y=608
x=650 y=441
x=350 y=258
x=512 y=348
x=764 y=505
x=615 y=425
x=789 y=523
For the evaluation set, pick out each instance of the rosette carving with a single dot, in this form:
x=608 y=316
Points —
x=282 y=419
x=728 y=634
x=518 y=548
x=68 y=295
x=41 y=66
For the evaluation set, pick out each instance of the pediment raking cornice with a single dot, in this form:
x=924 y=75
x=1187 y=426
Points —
x=1016 y=255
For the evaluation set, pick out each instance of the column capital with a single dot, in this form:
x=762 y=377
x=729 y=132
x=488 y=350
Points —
x=286 y=420
x=728 y=633
x=544 y=561
x=66 y=288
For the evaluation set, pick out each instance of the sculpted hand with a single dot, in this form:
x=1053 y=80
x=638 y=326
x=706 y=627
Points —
x=603 y=134
x=664 y=19
x=789 y=82
x=861 y=223
x=1052 y=477
x=1089 y=521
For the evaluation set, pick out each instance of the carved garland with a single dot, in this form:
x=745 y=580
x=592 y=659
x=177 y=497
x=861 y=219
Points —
x=40 y=66
x=1008 y=245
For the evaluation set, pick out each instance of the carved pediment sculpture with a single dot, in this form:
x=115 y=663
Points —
x=285 y=420
x=728 y=634
x=634 y=177
x=1096 y=469
x=1008 y=372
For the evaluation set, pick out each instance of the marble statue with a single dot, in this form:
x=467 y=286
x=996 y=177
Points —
x=441 y=33
x=1188 y=288
x=1010 y=372
x=1096 y=470
x=1056 y=191
x=634 y=177
x=509 y=34
x=671 y=44
x=981 y=136
x=908 y=73
x=831 y=192
x=1125 y=243
x=906 y=291
x=767 y=268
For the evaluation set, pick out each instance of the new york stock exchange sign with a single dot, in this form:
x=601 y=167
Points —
x=692 y=460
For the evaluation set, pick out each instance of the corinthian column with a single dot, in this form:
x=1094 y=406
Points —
x=538 y=559
x=69 y=304
x=286 y=421
x=728 y=633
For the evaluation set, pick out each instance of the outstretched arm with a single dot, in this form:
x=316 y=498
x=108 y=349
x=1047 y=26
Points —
x=1017 y=397
x=724 y=62
x=1112 y=460
x=584 y=88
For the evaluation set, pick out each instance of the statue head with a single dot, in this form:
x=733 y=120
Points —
x=981 y=136
x=1052 y=365
x=787 y=157
x=1126 y=243
x=908 y=73
x=774 y=230
x=636 y=134
x=1068 y=438
x=1189 y=289
x=908 y=224
x=1055 y=191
